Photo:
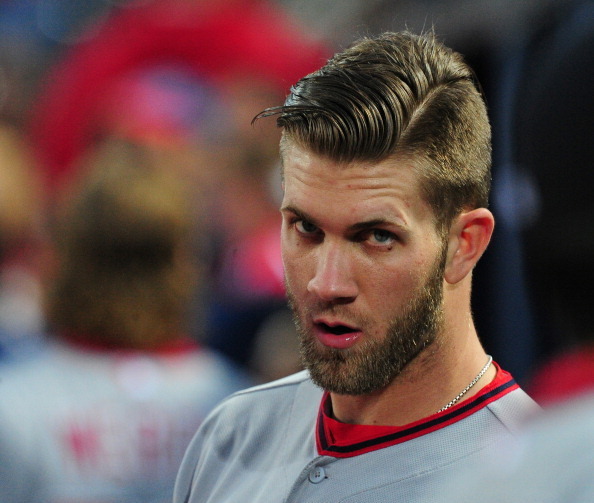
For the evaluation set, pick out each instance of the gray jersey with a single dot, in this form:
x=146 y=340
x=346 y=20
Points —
x=97 y=426
x=550 y=462
x=275 y=443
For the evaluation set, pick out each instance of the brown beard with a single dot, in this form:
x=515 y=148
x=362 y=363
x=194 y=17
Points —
x=373 y=364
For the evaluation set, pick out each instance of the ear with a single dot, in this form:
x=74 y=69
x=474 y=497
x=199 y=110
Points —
x=468 y=239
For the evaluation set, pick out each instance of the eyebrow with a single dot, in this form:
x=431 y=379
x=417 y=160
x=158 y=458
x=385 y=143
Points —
x=359 y=226
x=369 y=224
x=301 y=214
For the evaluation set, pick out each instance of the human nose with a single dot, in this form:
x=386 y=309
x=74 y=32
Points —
x=333 y=280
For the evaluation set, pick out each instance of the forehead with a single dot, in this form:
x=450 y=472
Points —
x=391 y=185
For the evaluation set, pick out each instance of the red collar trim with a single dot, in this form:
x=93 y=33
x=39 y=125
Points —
x=178 y=345
x=342 y=440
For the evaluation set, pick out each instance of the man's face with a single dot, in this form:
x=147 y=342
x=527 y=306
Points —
x=364 y=268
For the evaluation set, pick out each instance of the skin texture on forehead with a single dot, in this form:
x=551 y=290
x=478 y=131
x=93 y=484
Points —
x=378 y=190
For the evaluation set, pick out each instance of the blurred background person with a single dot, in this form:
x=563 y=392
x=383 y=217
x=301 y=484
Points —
x=105 y=413
x=553 y=127
x=275 y=351
x=21 y=201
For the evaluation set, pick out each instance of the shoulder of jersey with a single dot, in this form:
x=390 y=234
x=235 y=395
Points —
x=291 y=380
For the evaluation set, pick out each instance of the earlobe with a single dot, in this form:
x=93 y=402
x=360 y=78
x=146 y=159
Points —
x=468 y=239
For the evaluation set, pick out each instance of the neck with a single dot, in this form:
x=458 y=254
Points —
x=427 y=384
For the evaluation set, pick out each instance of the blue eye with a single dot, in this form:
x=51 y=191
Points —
x=306 y=227
x=382 y=237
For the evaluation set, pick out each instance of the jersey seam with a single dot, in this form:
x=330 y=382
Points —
x=510 y=429
x=270 y=386
x=423 y=472
x=420 y=429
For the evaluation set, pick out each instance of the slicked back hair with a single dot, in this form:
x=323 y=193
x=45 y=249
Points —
x=398 y=95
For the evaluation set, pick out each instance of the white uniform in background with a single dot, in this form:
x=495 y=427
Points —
x=89 y=425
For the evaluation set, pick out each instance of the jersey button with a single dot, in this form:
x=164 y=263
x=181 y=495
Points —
x=316 y=475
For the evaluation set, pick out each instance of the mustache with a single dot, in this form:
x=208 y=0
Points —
x=320 y=308
x=304 y=315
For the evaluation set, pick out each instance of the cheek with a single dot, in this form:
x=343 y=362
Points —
x=388 y=283
x=391 y=285
x=294 y=262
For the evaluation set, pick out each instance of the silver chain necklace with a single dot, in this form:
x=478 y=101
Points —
x=465 y=390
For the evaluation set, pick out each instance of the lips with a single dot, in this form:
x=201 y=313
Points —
x=335 y=334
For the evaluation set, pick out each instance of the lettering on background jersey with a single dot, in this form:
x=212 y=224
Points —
x=123 y=443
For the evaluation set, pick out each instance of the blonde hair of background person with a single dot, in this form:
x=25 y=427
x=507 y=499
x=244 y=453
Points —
x=125 y=270
x=21 y=205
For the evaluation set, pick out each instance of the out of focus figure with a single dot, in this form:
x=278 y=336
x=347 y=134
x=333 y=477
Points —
x=553 y=130
x=105 y=413
x=21 y=202
x=276 y=348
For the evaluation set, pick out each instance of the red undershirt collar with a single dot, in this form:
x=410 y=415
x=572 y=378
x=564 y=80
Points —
x=342 y=440
x=178 y=345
